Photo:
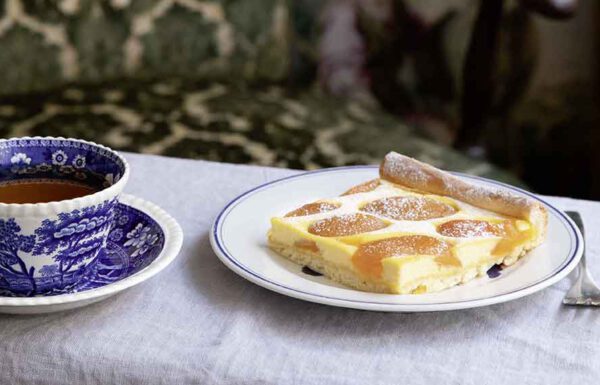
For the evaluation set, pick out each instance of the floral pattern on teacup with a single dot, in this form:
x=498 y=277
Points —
x=79 y=161
x=20 y=158
x=59 y=158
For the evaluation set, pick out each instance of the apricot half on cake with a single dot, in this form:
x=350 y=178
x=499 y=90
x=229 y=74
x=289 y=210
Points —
x=415 y=229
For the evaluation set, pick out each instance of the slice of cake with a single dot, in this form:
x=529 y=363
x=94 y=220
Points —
x=416 y=229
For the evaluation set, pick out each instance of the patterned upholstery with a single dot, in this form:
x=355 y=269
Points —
x=97 y=40
x=229 y=80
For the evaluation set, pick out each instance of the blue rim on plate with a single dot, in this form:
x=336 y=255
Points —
x=224 y=254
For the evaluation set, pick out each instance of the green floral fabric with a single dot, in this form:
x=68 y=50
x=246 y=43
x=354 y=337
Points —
x=266 y=125
x=224 y=80
x=49 y=43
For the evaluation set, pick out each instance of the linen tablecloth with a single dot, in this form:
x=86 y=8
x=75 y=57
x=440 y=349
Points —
x=199 y=323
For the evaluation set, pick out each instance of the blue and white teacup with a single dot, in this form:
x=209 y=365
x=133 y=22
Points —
x=45 y=248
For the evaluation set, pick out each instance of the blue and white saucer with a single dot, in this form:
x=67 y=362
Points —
x=142 y=242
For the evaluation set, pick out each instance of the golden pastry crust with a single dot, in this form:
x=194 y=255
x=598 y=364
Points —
x=405 y=171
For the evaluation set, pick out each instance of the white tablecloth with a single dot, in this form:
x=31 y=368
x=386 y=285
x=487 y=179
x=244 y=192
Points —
x=199 y=323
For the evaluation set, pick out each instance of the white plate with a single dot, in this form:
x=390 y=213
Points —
x=238 y=237
x=119 y=267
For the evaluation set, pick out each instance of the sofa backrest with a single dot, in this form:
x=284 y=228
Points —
x=45 y=44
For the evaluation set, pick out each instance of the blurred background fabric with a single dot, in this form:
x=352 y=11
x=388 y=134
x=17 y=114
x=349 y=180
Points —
x=503 y=89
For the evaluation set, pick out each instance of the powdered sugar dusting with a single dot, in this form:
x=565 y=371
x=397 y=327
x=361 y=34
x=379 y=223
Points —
x=396 y=208
x=314 y=208
x=414 y=174
x=364 y=187
x=484 y=193
x=396 y=164
x=409 y=208
x=466 y=228
x=343 y=225
x=406 y=245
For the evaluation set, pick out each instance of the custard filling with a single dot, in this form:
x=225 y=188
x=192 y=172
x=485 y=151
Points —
x=402 y=238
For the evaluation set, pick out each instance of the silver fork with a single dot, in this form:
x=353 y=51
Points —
x=584 y=291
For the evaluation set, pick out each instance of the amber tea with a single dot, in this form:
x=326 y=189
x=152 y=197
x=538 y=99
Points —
x=42 y=191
